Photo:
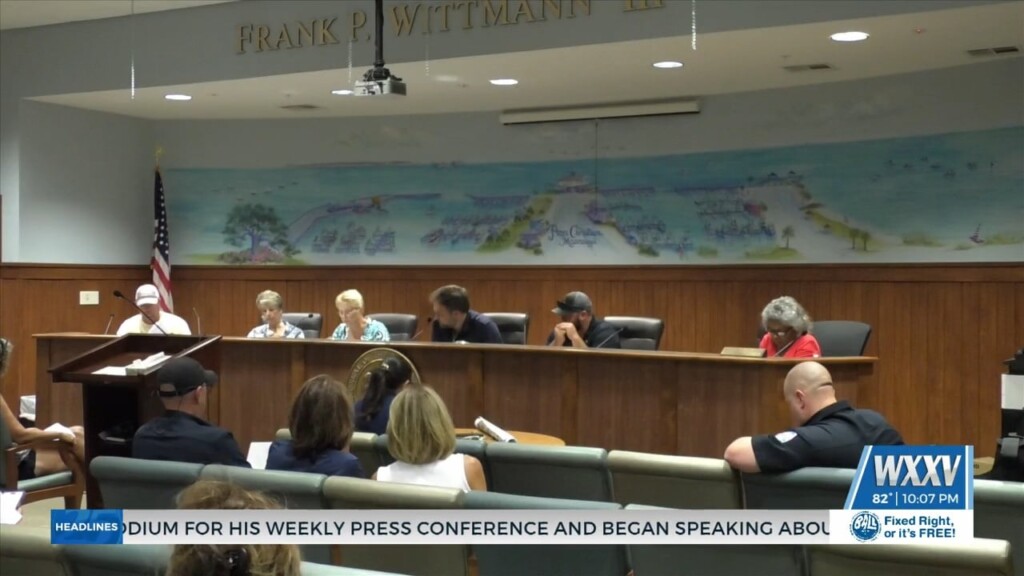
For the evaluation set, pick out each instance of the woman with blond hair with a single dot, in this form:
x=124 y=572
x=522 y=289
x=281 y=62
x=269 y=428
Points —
x=230 y=559
x=421 y=437
x=271 y=307
x=354 y=325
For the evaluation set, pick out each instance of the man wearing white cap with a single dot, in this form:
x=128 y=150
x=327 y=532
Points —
x=152 y=319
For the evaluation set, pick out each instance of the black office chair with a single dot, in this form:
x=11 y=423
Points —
x=841 y=337
x=400 y=326
x=514 y=326
x=637 y=332
x=311 y=323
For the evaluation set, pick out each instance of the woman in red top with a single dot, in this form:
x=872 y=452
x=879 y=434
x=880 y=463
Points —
x=788 y=330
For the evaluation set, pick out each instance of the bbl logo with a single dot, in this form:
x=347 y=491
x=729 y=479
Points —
x=865 y=526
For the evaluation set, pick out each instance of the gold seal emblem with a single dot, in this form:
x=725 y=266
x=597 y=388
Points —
x=359 y=375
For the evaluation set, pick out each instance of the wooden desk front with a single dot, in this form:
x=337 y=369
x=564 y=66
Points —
x=662 y=402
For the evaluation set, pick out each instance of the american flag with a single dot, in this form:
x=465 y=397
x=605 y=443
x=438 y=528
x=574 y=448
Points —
x=161 y=261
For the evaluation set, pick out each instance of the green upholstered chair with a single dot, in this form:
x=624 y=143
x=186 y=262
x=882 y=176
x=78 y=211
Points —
x=999 y=514
x=674 y=481
x=804 y=489
x=515 y=560
x=134 y=560
x=572 y=472
x=980 y=557
x=136 y=484
x=69 y=484
x=29 y=553
x=716 y=560
x=362 y=447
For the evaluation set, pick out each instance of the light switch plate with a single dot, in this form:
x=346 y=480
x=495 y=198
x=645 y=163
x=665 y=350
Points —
x=89 y=298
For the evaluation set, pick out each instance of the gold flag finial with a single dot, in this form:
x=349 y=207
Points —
x=157 y=154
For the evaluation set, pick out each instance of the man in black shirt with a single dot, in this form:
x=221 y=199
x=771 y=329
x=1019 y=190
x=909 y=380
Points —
x=826 y=433
x=455 y=322
x=181 y=435
x=579 y=327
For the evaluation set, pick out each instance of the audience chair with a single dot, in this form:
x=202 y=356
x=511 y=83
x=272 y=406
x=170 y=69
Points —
x=362 y=447
x=400 y=326
x=516 y=560
x=674 y=481
x=980 y=557
x=25 y=551
x=716 y=560
x=804 y=489
x=69 y=484
x=311 y=323
x=841 y=337
x=638 y=333
x=999 y=514
x=514 y=326
x=135 y=560
x=572 y=472
x=136 y=484
x=437 y=560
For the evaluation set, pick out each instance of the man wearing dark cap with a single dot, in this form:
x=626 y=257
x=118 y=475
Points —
x=181 y=434
x=579 y=327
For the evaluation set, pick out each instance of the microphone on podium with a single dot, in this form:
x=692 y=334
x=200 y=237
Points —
x=199 y=322
x=107 y=329
x=118 y=294
x=605 y=341
x=430 y=320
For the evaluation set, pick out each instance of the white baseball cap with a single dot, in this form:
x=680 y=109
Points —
x=147 y=294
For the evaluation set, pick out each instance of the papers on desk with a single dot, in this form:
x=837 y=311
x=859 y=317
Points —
x=257 y=457
x=9 y=502
x=493 y=431
x=112 y=371
x=136 y=367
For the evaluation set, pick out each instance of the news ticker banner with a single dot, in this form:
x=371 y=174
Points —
x=900 y=494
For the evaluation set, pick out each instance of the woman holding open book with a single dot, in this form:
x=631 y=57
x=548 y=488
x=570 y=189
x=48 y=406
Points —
x=421 y=437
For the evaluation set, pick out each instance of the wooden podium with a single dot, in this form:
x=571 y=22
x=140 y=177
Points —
x=113 y=400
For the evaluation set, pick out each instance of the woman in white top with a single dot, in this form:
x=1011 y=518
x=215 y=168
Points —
x=421 y=437
x=271 y=307
x=354 y=325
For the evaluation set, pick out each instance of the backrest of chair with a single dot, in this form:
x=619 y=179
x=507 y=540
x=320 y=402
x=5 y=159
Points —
x=400 y=326
x=717 y=560
x=29 y=552
x=972 y=558
x=133 y=483
x=572 y=472
x=296 y=490
x=477 y=449
x=5 y=441
x=804 y=489
x=841 y=337
x=355 y=493
x=637 y=332
x=308 y=322
x=999 y=514
x=380 y=446
x=362 y=447
x=509 y=560
x=673 y=481
x=514 y=326
x=136 y=560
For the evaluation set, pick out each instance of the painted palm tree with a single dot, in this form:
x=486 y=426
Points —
x=854 y=235
x=788 y=233
x=865 y=237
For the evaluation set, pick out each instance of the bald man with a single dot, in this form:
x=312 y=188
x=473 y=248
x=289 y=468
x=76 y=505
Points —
x=826 y=432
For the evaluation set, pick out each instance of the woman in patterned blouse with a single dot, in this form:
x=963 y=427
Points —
x=271 y=307
x=355 y=326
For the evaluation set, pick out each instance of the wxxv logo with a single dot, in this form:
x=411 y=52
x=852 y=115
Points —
x=914 y=477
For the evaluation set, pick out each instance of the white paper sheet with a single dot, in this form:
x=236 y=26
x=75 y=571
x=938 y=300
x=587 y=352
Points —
x=9 y=502
x=257 y=456
x=112 y=371
x=1013 y=392
x=58 y=427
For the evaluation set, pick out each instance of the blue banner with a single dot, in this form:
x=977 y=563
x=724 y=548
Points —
x=86 y=526
x=913 y=478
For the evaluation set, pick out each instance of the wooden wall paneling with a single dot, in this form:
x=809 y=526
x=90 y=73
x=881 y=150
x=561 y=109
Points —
x=250 y=366
x=904 y=345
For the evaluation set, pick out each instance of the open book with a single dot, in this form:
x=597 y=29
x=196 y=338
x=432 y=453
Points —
x=493 y=431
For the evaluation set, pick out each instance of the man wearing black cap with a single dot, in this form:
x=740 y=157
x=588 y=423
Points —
x=579 y=327
x=181 y=434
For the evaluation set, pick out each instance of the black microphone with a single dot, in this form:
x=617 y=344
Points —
x=430 y=320
x=117 y=294
x=199 y=323
x=107 y=329
x=605 y=341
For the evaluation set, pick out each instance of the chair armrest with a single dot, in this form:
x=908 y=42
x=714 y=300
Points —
x=66 y=451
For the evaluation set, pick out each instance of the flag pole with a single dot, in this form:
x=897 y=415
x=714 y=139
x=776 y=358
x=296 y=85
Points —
x=157 y=154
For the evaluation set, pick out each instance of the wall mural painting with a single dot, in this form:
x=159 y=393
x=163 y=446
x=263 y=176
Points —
x=945 y=198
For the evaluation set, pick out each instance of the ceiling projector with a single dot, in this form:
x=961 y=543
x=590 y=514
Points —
x=379 y=82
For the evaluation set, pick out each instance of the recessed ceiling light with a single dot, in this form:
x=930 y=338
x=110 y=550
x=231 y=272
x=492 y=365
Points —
x=342 y=92
x=178 y=97
x=668 y=64
x=850 y=36
x=504 y=81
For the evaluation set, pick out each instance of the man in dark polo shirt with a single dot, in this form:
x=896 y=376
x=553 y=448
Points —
x=578 y=327
x=826 y=433
x=455 y=322
x=181 y=434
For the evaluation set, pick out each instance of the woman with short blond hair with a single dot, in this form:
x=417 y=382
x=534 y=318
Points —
x=271 y=307
x=421 y=437
x=354 y=325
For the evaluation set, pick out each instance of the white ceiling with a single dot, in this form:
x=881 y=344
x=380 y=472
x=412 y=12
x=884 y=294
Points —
x=619 y=72
x=25 y=13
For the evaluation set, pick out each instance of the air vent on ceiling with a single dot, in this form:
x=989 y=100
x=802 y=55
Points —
x=808 y=67
x=994 y=51
x=300 y=107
